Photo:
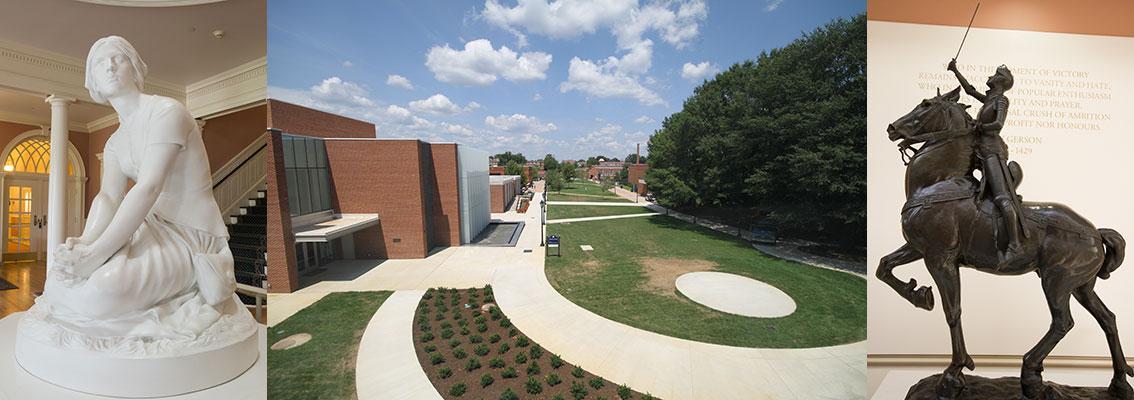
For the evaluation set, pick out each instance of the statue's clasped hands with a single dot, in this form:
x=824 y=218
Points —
x=76 y=260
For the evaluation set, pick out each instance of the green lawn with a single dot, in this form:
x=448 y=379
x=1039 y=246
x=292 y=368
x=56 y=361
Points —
x=324 y=367
x=552 y=196
x=559 y=212
x=613 y=282
x=585 y=188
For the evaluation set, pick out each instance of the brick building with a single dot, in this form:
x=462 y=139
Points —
x=636 y=177
x=337 y=192
x=504 y=189
x=605 y=170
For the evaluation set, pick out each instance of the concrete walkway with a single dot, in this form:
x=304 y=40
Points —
x=387 y=366
x=584 y=219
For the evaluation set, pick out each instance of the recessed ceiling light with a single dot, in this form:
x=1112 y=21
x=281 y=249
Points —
x=219 y=34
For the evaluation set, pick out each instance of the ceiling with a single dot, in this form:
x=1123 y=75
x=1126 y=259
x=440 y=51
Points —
x=31 y=109
x=176 y=42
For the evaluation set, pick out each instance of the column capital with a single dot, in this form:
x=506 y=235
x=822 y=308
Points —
x=55 y=99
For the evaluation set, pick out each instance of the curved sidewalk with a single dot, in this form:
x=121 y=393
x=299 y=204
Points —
x=387 y=366
x=584 y=219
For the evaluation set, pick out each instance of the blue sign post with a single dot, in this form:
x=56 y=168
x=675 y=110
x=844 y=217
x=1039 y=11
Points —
x=553 y=243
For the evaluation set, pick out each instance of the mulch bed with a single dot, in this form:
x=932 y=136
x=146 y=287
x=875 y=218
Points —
x=469 y=353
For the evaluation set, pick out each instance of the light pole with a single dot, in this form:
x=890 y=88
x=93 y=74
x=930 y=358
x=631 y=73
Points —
x=542 y=219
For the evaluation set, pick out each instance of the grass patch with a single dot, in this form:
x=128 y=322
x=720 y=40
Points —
x=613 y=282
x=560 y=212
x=552 y=196
x=324 y=367
x=585 y=188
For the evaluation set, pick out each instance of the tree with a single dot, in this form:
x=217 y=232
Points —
x=507 y=157
x=549 y=163
x=784 y=133
x=632 y=159
x=514 y=168
x=554 y=181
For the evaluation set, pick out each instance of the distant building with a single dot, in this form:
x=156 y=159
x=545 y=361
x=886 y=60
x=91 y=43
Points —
x=496 y=170
x=636 y=177
x=605 y=170
x=504 y=189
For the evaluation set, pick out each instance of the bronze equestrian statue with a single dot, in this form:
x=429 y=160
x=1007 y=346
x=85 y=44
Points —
x=950 y=222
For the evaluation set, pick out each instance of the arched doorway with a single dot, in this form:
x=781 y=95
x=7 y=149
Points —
x=26 y=162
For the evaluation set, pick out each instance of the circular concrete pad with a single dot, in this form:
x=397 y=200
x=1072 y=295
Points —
x=735 y=294
x=292 y=341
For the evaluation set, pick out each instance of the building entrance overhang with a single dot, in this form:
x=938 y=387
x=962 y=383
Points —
x=334 y=228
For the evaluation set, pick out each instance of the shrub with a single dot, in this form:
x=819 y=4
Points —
x=486 y=380
x=513 y=332
x=426 y=337
x=505 y=323
x=509 y=373
x=533 y=368
x=509 y=395
x=472 y=364
x=521 y=358
x=446 y=325
x=422 y=319
x=482 y=328
x=465 y=330
x=521 y=341
x=553 y=380
x=480 y=319
x=458 y=389
x=647 y=396
x=463 y=322
x=535 y=352
x=558 y=397
x=504 y=348
x=454 y=343
x=428 y=295
x=481 y=350
x=488 y=289
x=446 y=334
x=494 y=338
x=496 y=363
x=439 y=316
x=578 y=391
x=597 y=383
x=624 y=392
x=460 y=354
x=436 y=358
x=445 y=372
x=556 y=362
x=474 y=339
x=533 y=386
x=489 y=299
x=495 y=315
x=577 y=372
x=424 y=328
x=430 y=348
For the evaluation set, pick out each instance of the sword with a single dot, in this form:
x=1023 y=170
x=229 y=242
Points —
x=967 y=31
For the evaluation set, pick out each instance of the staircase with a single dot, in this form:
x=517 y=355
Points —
x=248 y=237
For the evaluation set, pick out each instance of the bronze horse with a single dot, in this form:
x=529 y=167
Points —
x=947 y=221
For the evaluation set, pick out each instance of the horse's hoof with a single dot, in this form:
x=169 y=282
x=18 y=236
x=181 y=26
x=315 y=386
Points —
x=1120 y=389
x=923 y=298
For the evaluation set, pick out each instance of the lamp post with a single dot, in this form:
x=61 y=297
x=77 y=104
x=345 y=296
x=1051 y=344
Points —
x=542 y=219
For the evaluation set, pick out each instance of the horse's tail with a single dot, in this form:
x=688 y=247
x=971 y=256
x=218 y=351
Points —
x=1115 y=251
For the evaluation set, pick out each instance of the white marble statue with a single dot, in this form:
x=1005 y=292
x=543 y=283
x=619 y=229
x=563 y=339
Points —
x=151 y=277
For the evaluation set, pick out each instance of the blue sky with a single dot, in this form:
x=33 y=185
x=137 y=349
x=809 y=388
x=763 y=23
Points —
x=571 y=78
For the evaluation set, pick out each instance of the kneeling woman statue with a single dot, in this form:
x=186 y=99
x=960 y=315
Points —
x=149 y=287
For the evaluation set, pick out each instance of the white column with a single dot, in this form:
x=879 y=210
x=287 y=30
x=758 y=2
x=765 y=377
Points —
x=57 y=180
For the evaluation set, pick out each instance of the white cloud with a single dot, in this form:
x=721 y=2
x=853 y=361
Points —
x=772 y=5
x=347 y=64
x=337 y=91
x=398 y=113
x=457 y=129
x=675 y=21
x=518 y=123
x=472 y=106
x=699 y=71
x=399 y=81
x=481 y=65
x=436 y=104
x=537 y=97
x=644 y=120
x=606 y=81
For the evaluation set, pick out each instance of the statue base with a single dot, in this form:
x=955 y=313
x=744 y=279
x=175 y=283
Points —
x=78 y=363
x=1006 y=388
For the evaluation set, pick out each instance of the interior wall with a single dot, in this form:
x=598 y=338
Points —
x=227 y=135
x=1069 y=128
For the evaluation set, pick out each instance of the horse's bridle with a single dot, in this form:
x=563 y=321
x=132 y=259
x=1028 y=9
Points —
x=908 y=152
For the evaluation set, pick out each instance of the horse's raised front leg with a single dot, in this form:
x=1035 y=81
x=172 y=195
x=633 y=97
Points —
x=946 y=274
x=922 y=297
x=1119 y=387
x=1059 y=303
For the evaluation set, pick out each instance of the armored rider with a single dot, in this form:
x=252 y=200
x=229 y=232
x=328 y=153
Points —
x=993 y=154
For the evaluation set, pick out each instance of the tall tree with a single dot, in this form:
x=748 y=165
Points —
x=549 y=163
x=507 y=157
x=785 y=133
